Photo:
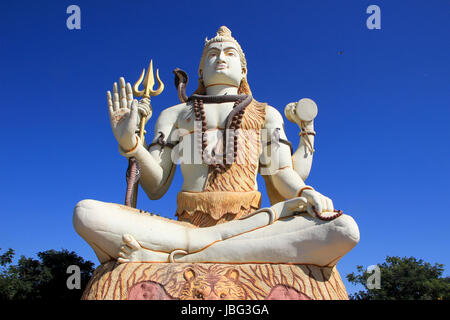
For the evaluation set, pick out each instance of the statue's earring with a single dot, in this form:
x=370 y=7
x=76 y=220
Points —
x=201 y=86
x=200 y=79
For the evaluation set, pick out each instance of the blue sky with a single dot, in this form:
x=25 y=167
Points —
x=382 y=144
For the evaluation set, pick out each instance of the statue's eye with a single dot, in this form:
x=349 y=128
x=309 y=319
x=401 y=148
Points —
x=223 y=295
x=199 y=295
x=230 y=53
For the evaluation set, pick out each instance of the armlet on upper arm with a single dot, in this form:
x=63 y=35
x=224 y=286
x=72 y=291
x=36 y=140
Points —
x=162 y=142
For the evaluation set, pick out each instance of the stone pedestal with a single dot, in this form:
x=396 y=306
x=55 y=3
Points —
x=185 y=281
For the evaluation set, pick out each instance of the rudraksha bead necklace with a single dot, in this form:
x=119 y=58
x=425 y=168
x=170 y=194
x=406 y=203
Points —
x=220 y=162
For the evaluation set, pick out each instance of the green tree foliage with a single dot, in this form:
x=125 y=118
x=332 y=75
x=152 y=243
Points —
x=42 y=279
x=403 y=279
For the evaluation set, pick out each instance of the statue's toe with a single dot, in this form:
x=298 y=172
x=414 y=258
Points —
x=131 y=242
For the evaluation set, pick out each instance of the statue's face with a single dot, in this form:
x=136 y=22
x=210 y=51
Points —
x=222 y=65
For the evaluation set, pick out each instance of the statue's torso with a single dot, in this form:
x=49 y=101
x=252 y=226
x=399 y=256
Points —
x=195 y=173
x=216 y=115
x=208 y=198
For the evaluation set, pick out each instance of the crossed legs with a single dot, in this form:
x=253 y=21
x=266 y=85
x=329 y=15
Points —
x=128 y=235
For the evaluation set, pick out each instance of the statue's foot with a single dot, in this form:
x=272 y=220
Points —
x=132 y=251
x=129 y=252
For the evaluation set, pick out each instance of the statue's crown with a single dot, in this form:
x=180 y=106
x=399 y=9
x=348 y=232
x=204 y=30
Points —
x=222 y=35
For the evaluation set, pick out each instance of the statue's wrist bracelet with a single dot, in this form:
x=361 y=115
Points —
x=299 y=193
x=309 y=133
x=131 y=151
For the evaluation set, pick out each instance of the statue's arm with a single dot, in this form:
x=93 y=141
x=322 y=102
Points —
x=303 y=156
x=276 y=157
x=157 y=167
x=277 y=161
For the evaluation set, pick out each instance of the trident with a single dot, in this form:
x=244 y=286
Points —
x=148 y=91
x=133 y=171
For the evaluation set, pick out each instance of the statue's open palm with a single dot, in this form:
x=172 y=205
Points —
x=125 y=113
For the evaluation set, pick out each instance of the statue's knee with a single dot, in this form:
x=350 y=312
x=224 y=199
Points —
x=347 y=229
x=86 y=216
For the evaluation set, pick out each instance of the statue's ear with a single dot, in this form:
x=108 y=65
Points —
x=189 y=274
x=244 y=71
x=232 y=274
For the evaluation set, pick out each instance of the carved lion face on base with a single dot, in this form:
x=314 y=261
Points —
x=212 y=286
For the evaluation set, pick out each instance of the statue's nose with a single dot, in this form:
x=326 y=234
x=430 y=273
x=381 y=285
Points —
x=222 y=56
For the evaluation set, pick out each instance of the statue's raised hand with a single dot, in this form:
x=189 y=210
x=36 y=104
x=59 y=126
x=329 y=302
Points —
x=125 y=114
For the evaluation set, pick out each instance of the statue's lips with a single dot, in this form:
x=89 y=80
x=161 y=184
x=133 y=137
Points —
x=221 y=67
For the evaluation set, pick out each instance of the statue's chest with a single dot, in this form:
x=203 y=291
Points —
x=215 y=115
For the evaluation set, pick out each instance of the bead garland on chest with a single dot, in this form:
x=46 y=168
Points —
x=220 y=162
